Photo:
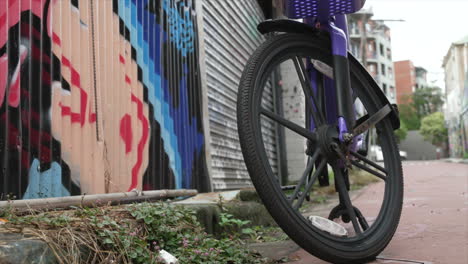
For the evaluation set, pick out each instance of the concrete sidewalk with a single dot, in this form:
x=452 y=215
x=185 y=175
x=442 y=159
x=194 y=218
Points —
x=433 y=227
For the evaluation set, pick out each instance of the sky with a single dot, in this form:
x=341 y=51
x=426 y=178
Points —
x=429 y=29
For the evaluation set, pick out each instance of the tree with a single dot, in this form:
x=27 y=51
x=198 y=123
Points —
x=402 y=132
x=408 y=115
x=427 y=100
x=421 y=103
x=433 y=129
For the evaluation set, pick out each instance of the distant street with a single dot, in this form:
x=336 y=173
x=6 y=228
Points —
x=434 y=224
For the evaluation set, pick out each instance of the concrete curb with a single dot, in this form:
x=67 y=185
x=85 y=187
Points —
x=454 y=160
x=20 y=248
x=275 y=251
x=242 y=204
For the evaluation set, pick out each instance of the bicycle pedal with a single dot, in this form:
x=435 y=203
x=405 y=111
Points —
x=328 y=226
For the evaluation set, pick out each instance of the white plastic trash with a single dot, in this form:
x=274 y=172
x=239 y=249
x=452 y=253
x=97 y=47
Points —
x=327 y=225
x=167 y=257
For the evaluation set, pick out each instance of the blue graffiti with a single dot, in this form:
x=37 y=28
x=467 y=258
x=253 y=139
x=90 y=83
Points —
x=182 y=141
x=45 y=184
x=181 y=27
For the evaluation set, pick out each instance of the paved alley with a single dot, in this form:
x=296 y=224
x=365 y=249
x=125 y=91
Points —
x=433 y=227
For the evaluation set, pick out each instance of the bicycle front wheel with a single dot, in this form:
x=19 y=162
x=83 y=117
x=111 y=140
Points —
x=354 y=235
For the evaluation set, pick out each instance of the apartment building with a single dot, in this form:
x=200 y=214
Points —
x=421 y=77
x=405 y=80
x=455 y=66
x=370 y=42
x=408 y=78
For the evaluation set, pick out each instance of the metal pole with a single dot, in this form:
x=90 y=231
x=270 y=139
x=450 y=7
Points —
x=94 y=200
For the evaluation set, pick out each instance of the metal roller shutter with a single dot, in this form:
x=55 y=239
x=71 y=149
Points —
x=230 y=38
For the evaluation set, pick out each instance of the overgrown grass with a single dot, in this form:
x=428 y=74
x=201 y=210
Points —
x=261 y=234
x=358 y=179
x=131 y=234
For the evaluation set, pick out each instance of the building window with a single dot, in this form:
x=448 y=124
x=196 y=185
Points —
x=384 y=88
x=371 y=67
x=354 y=28
x=355 y=49
x=390 y=73
x=383 y=69
x=382 y=52
x=371 y=50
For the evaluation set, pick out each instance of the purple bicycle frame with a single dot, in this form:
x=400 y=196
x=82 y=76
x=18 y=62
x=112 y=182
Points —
x=330 y=15
x=339 y=37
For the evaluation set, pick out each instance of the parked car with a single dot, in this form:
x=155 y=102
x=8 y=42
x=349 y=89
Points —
x=403 y=155
x=375 y=153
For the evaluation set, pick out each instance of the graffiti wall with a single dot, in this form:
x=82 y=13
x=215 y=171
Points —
x=99 y=96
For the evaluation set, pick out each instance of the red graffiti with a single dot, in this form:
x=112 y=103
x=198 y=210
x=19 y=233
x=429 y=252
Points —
x=3 y=76
x=141 y=144
x=128 y=80
x=125 y=124
x=75 y=80
x=25 y=36
x=27 y=30
x=46 y=78
x=56 y=39
x=14 y=85
x=41 y=140
x=10 y=14
x=126 y=132
x=92 y=117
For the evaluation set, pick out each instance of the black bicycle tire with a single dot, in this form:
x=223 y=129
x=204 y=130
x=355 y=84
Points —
x=274 y=202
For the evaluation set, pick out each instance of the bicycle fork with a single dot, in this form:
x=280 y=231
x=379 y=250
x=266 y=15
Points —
x=342 y=79
x=338 y=96
x=339 y=100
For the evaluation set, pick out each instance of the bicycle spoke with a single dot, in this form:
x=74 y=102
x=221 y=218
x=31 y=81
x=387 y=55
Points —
x=307 y=189
x=321 y=94
x=306 y=173
x=347 y=201
x=317 y=103
x=308 y=92
x=359 y=165
x=294 y=127
x=371 y=163
x=372 y=121
x=362 y=219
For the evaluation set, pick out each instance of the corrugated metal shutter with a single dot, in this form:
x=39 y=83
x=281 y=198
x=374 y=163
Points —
x=230 y=38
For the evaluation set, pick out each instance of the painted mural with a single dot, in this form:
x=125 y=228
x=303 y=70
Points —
x=99 y=96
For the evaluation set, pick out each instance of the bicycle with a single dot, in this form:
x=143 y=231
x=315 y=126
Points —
x=343 y=108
